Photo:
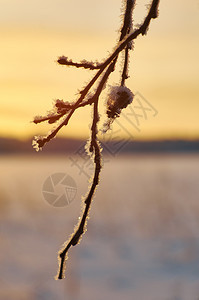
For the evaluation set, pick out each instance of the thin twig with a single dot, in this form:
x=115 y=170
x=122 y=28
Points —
x=127 y=27
x=63 y=60
x=81 y=227
x=65 y=110
x=94 y=146
x=153 y=13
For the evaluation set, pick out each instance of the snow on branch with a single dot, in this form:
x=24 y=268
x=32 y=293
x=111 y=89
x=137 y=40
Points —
x=63 y=60
x=118 y=98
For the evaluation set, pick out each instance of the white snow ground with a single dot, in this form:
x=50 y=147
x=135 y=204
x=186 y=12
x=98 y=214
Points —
x=142 y=241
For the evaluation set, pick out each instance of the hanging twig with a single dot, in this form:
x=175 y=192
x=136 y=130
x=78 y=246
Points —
x=119 y=97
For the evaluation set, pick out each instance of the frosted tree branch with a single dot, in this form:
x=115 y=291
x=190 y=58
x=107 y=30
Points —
x=119 y=98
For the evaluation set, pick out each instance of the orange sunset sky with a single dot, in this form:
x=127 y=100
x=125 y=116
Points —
x=164 y=65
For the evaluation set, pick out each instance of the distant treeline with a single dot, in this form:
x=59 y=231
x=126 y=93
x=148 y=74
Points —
x=66 y=145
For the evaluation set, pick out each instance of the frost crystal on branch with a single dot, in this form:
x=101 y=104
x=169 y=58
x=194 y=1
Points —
x=38 y=143
x=63 y=60
x=118 y=98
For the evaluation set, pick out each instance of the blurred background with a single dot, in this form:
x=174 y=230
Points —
x=142 y=240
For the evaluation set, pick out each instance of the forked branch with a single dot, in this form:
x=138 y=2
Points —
x=119 y=97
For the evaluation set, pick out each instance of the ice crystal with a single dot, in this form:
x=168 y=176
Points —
x=119 y=97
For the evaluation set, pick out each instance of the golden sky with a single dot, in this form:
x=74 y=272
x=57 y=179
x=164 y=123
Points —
x=164 y=66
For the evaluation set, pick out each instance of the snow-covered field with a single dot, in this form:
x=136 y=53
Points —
x=142 y=241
